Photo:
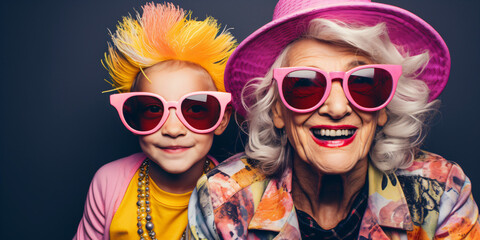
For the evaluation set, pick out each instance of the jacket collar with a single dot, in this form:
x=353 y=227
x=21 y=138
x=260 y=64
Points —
x=386 y=202
x=276 y=205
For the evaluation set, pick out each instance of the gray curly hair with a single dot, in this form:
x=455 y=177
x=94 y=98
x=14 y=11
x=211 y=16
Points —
x=394 y=145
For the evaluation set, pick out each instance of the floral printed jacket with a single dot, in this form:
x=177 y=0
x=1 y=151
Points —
x=430 y=200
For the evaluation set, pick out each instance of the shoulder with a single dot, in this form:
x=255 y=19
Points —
x=434 y=167
x=108 y=184
x=431 y=171
x=118 y=169
x=432 y=185
x=236 y=170
x=437 y=190
x=230 y=177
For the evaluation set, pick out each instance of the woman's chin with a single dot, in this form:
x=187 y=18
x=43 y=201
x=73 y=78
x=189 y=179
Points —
x=334 y=164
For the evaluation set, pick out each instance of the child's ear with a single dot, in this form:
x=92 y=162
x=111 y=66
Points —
x=224 y=123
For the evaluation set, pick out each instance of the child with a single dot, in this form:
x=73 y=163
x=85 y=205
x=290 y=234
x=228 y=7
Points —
x=168 y=69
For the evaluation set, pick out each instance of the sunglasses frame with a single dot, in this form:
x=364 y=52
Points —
x=279 y=75
x=118 y=101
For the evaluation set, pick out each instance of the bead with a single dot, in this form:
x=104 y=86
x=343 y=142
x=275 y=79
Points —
x=149 y=226
x=143 y=204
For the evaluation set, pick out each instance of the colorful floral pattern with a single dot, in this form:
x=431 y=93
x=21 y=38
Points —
x=429 y=200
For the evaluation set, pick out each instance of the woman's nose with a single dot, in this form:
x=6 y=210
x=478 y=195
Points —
x=336 y=106
x=173 y=127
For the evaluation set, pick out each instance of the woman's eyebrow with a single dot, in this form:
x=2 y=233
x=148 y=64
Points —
x=356 y=63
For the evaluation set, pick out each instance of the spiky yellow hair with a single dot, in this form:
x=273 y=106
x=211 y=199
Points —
x=166 y=32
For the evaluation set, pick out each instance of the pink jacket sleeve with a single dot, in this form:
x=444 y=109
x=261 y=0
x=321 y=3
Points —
x=92 y=225
x=104 y=195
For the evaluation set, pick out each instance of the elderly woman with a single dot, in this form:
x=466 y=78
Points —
x=336 y=95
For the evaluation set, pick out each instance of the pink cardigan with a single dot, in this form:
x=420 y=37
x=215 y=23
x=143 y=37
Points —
x=105 y=195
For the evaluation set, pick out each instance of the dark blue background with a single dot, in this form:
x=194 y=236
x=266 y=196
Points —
x=57 y=128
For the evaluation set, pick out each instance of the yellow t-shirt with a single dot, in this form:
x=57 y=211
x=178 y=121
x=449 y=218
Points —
x=169 y=213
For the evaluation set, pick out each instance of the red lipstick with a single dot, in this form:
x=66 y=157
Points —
x=334 y=143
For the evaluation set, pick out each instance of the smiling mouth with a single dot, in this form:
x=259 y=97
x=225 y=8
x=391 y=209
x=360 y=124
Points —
x=332 y=134
x=174 y=147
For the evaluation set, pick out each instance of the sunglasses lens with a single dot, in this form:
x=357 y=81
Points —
x=303 y=89
x=201 y=111
x=143 y=113
x=370 y=87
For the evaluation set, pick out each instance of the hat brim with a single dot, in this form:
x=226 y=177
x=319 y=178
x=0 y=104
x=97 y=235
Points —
x=256 y=54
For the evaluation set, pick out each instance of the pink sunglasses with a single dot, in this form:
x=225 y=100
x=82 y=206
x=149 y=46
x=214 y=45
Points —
x=367 y=87
x=144 y=113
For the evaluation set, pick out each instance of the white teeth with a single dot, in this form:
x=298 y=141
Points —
x=334 y=133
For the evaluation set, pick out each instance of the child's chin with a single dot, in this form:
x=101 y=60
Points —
x=176 y=171
x=177 y=168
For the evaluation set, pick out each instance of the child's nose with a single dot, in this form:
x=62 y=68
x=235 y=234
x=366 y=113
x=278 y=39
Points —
x=173 y=127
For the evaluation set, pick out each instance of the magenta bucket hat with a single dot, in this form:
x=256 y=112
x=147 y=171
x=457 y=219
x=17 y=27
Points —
x=256 y=54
